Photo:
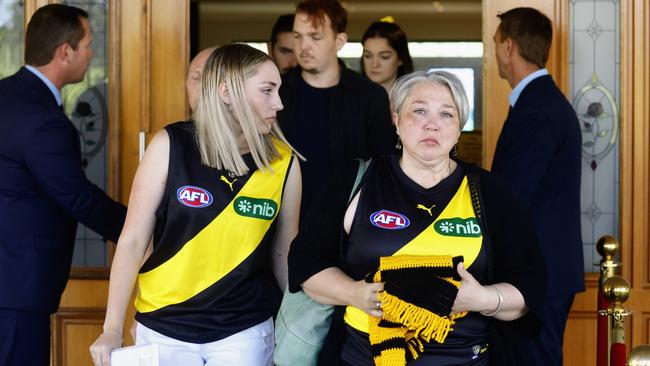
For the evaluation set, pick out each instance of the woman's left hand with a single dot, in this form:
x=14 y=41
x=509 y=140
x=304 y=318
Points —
x=471 y=293
x=101 y=349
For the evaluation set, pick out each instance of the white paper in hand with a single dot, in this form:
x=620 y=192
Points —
x=135 y=356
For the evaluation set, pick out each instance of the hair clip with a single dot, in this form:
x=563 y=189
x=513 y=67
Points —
x=387 y=19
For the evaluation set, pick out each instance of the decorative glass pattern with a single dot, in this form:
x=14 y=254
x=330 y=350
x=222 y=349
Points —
x=12 y=18
x=87 y=106
x=595 y=85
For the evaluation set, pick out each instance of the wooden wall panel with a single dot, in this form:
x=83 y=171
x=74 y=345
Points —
x=169 y=60
x=644 y=338
x=470 y=147
x=580 y=339
x=154 y=59
x=133 y=83
x=580 y=334
x=85 y=293
x=72 y=330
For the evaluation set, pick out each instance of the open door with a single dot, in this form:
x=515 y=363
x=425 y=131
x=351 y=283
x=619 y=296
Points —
x=631 y=182
x=143 y=47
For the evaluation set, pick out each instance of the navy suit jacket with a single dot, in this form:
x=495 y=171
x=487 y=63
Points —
x=43 y=194
x=539 y=154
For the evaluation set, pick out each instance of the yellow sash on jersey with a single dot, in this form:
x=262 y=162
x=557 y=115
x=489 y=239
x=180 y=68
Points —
x=430 y=242
x=217 y=249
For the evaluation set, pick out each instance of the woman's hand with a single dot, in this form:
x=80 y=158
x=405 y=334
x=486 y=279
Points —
x=101 y=349
x=471 y=294
x=332 y=286
x=364 y=297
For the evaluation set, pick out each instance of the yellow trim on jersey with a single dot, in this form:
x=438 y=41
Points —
x=459 y=206
x=430 y=242
x=215 y=251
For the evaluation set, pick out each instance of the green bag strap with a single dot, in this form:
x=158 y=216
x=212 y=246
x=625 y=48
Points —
x=363 y=166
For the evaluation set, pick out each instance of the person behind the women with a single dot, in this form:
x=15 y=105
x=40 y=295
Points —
x=420 y=202
x=386 y=54
x=211 y=192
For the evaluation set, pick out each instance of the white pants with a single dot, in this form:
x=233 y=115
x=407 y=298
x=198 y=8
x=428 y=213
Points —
x=250 y=347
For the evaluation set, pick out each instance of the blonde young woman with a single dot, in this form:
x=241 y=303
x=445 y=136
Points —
x=211 y=193
x=413 y=208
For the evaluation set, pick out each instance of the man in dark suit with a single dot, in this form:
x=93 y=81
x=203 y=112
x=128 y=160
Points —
x=539 y=154
x=43 y=190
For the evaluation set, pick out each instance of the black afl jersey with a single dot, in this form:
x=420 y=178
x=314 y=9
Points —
x=209 y=275
x=397 y=216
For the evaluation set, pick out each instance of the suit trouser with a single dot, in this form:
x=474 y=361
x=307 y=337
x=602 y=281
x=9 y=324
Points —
x=24 y=338
x=546 y=348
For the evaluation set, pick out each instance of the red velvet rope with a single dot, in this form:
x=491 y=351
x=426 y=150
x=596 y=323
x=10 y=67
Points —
x=601 y=336
x=617 y=355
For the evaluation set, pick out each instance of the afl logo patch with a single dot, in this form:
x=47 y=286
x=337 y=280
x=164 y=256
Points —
x=389 y=220
x=195 y=197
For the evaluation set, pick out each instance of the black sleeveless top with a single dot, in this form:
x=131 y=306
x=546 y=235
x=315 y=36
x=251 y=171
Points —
x=209 y=275
x=395 y=215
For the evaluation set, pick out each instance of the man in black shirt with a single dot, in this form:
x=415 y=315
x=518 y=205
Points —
x=331 y=114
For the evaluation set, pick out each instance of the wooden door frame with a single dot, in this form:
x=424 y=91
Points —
x=635 y=160
x=148 y=59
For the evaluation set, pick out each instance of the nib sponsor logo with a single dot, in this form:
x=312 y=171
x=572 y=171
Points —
x=259 y=208
x=458 y=227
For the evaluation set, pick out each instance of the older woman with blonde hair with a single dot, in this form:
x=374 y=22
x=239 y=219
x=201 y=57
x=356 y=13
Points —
x=211 y=194
x=433 y=260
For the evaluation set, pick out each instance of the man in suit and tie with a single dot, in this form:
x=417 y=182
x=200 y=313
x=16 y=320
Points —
x=43 y=190
x=539 y=154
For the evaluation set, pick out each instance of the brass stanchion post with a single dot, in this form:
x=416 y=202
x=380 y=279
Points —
x=607 y=247
x=616 y=290
x=640 y=356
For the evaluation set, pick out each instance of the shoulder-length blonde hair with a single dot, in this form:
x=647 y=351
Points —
x=218 y=124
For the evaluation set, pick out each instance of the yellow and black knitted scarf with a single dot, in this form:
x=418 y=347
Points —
x=419 y=292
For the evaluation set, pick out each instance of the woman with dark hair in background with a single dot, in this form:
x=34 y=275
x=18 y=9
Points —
x=386 y=54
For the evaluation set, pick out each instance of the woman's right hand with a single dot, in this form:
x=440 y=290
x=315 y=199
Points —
x=101 y=349
x=364 y=297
